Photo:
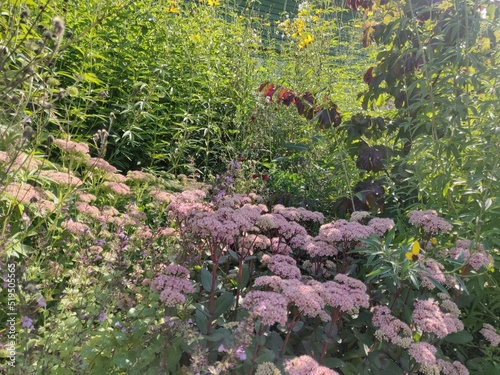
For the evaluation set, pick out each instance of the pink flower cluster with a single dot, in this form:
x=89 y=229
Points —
x=282 y=265
x=425 y=355
x=278 y=226
x=429 y=221
x=489 y=332
x=305 y=297
x=172 y=284
x=270 y=307
x=298 y=214
x=343 y=231
x=306 y=365
x=226 y=225
x=381 y=225
x=432 y=269
x=345 y=293
x=390 y=328
x=429 y=317
x=470 y=253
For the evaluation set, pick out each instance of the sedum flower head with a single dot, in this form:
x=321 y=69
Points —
x=429 y=221
x=173 y=284
x=429 y=317
x=271 y=307
x=306 y=365
x=489 y=332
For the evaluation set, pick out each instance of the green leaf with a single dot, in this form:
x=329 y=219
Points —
x=296 y=146
x=91 y=77
x=461 y=337
x=201 y=321
x=206 y=279
x=223 y=303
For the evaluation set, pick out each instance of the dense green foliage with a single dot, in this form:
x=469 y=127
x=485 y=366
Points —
x=133 y=132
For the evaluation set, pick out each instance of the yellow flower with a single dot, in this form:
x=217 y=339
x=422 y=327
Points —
x=415 y=250
x=213 y=3
x=434 y=241
x=305 y=41
x=173 y=8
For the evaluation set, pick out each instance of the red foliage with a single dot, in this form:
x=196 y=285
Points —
x=305 y=104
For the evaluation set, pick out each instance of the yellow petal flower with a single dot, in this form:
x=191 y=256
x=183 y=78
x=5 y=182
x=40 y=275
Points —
x=415 y=250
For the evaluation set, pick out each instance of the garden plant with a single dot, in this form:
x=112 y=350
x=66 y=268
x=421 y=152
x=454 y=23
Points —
x=187 y=187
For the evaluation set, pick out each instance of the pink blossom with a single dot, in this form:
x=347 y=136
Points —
x=451 y=368
x=428 y=317
x=87 y=209
x=429 y=221
x=70 y=146
x=270 y=307
x=62 y=178
x=75 y=227
x=99 y=163
x=86 y=197
x=306 y=365
x=283 y=266
x=161 y=196
x=390 y=328
x=318 y=248
x=305 y=297
x=115 y=177
x=139 y=176
x=118 y=188
x=298 y=214
x=343 y=231
x=279 y=246
x=381 y=225
x=345 y=293
x=254 y=241
x=423 y=353
x=480 y=259
x=490 y=334
x=172 y=284
x=432 y=269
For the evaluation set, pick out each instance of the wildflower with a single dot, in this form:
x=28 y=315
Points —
x=172 y=284
x=26 y=162
x=433 y=270
x=343 y=231
x=70 y=146
x=26 y=322
x=270 y=307
x=490 y=334
x=317 y=248
x=139 y=176
x=86 y=197
x=41 y=302
x=428 y=317
x=423 y=353
x=415 y=251
x=115 y=177
x=452 y=368
x=298 y=214
x=284 y=266
x=102 y=316
x=62 y=178
x=345 y=293
x=381 y=225
x=305 y=297
x=429 y=221
x=390 y=328
x=75 y=227
x=118 y=188
x=306 y=365
x=101 y=164
x=241 y=354
x=161 y=196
